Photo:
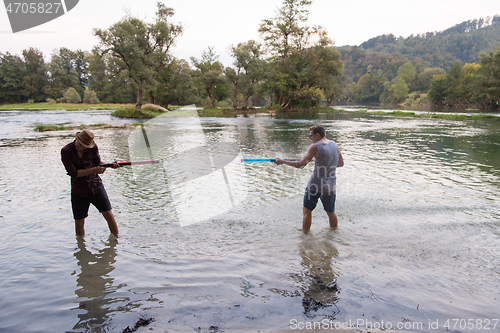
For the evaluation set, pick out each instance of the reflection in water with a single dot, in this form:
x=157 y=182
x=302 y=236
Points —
x=95 y=285
x=319 y=278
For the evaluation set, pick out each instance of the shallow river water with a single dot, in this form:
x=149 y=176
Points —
x=220 y=248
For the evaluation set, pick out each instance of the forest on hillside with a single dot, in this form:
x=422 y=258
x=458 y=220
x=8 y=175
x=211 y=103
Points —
x=393 y=69
x=295 y=67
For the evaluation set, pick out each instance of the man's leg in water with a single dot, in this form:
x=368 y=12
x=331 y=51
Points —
x=306 y=219
x=332 y=218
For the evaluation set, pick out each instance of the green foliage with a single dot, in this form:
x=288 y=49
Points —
x=407 y=72
x=35 y=80
x=462 y=42
x=429 y=54
x=438 y=90
x=45 y=128
x=140 y=48
x=71 y=96
x=109 y=82
x=301 y=67
x=467 y=86
x=67 y=69
x=369 y=88
x=487 y=83
x=424 y=78
x=358 y=62
x=209 y=75
x=133 y=112
x=249 y=73
x=51 y=101
x=175 y=84
x=12 y=71
x=90 y=97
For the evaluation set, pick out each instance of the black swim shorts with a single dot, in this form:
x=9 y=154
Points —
x=81 y=205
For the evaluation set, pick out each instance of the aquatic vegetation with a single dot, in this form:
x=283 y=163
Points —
x=129 y=111
x=45 y=128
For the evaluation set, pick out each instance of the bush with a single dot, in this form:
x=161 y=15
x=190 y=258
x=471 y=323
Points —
x=30 y=101
x=51 y=101
x=71 y=96
x=90 y=97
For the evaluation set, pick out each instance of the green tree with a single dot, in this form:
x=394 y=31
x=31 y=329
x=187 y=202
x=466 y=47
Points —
x=63 y=73
x=90 y=97
x=290 y=42
x=12 y=71
x=109 y=81
x=487 y=83
x=369 y=88
x=72 y=96
x=438 y=90
x=35 y=82
x=424 y=78
x=210 y=73
x=457 y=88
x=325 y=71
x=141 y=48
x=399 y=89
x=248 y=72
x=454 y=91
x=175 y=84
x=407 y=73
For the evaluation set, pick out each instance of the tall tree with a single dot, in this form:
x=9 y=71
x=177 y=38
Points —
x=369 y=88
x=67 y=69
x=141 y=48
x=488 y=79
x=175 y=84
x=210 y=73
x=288 y=39
x=248 y=72
x=108 y=81
x=35 y=82
x=12 y=71
x=424 y=78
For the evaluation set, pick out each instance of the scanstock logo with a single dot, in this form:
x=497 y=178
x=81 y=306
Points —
x=28 y=14
x=200 y=174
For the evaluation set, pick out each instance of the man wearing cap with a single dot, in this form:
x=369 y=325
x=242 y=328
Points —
x=81 y=160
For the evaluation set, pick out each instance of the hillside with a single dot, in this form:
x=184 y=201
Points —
x=384 y=54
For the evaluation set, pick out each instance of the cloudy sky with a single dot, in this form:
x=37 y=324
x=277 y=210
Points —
x=221 y=23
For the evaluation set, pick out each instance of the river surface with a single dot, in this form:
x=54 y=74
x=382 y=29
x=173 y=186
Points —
x=221 y=248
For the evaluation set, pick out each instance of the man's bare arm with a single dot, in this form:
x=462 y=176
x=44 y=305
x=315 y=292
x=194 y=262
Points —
x=311 y=153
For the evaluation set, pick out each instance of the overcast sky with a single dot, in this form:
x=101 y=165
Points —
x=221 y=23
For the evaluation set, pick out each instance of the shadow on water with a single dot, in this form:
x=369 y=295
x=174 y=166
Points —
x=317 y=279
x=95 y=285
x=319 y=276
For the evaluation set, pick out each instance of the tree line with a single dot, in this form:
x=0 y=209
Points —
x=296 y=66
x=396 y=70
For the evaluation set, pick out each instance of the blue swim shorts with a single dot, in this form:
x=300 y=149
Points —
x=328 y=200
